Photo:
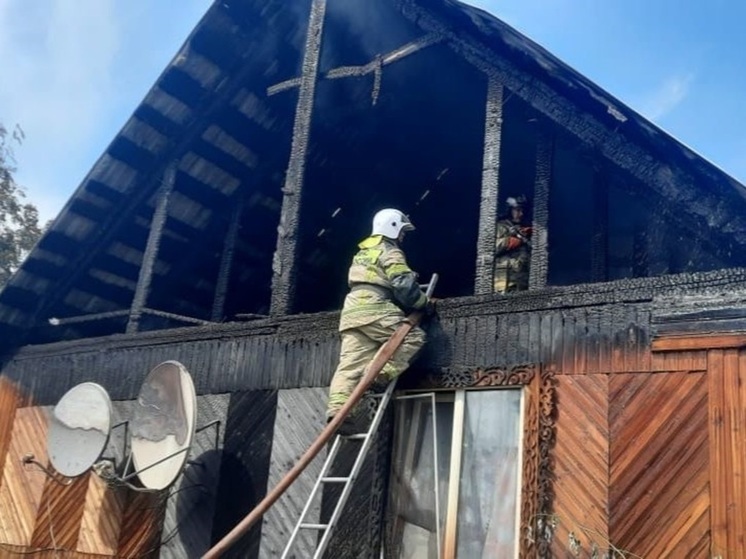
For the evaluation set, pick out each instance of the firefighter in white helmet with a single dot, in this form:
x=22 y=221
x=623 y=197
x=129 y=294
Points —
x=382 y=290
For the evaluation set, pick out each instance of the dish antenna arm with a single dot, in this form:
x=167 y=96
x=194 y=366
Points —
x=31 y=459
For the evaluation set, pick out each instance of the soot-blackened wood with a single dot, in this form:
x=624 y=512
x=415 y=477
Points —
x=673 y=183
x=539 y=252
x=209 y=107
x=151 y=249
x=299 y=419
x=383 y=355
x=284 y=264
x=244 y=469
x=226 y=262
x=493 y=121
x=599 y=246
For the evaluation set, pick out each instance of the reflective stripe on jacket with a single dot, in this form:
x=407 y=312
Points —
x=382 y=263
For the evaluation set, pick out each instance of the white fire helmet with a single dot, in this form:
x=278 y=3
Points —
x=390 y=223
x=517 y=202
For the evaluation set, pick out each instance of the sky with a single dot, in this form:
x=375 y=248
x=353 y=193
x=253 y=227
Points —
x=73 y=71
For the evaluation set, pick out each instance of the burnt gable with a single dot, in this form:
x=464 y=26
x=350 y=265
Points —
x=434 y=107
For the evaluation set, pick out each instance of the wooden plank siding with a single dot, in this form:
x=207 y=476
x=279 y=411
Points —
x=298 y=420
x=142 y=521
x=648 y=458
x=187 y=527
x=578 y=340
x=23 y=485
x=581 y=494
x=670 y=361
x=60 y=513
x=659 y=500
x=9 y=399
x=102 y=515
x=727 y=426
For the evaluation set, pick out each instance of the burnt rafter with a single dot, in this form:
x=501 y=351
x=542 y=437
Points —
x=139 y=300
x=103 y=191
x=42 y=268
x=182 y=86
x=490 y=187
x=373 y=67
x=607 y=139
x=222 y=159
x=87 y=210
x=717 y=243
x=226 y=262
x=212 y=106
x=538 y=270
x=19 y=297
x=284 y=265
x=112 y=264
x=157 y=121
x=201 y=193
x=127 y=151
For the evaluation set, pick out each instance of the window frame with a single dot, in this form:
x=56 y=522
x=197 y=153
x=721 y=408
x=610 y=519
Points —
x=538 y=404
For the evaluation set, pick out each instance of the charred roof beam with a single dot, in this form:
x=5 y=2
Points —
x=226 y=262
x=151 y=249
x=284 y=264
x=669 y=181
x=208 y=108
x=493 y=124
x=374 y=67
x=538 y=270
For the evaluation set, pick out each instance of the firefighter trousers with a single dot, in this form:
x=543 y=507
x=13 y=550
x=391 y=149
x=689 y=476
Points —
x=359 y=346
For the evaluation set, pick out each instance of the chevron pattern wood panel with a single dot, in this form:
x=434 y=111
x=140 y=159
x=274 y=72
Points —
x=18 y=552
x=141 y=526
x=659 y=495
x=102 y=514
x=22 y=487
x=581 y=466
x=100 y=526
x=60 y=514
x=8 y=403
x=299 y=420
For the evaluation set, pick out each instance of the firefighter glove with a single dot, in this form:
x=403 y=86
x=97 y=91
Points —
x=514 y=243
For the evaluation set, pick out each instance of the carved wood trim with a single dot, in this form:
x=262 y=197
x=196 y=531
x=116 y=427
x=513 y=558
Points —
x=539 y=429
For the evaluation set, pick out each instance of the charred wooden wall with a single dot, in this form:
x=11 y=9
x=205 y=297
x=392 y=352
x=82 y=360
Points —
x=647 y=456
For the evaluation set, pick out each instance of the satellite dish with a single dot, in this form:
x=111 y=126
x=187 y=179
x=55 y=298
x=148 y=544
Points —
x=79 y=429
x=163 y=424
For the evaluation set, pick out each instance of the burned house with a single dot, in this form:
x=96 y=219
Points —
x=601 y=411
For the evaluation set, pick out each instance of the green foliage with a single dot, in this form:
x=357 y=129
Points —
x=19 y=220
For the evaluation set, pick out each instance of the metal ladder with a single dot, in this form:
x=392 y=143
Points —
x=348 y=481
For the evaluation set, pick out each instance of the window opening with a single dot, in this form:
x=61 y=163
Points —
x=456 y=475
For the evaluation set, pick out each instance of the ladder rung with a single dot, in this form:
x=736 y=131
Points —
x=314 y=526
x=366 y=439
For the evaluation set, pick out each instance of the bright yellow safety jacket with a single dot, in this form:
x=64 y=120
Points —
x=383 y=285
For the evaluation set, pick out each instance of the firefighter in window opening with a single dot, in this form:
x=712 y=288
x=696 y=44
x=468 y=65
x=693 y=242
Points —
x=382 y=290
x=512 y=249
